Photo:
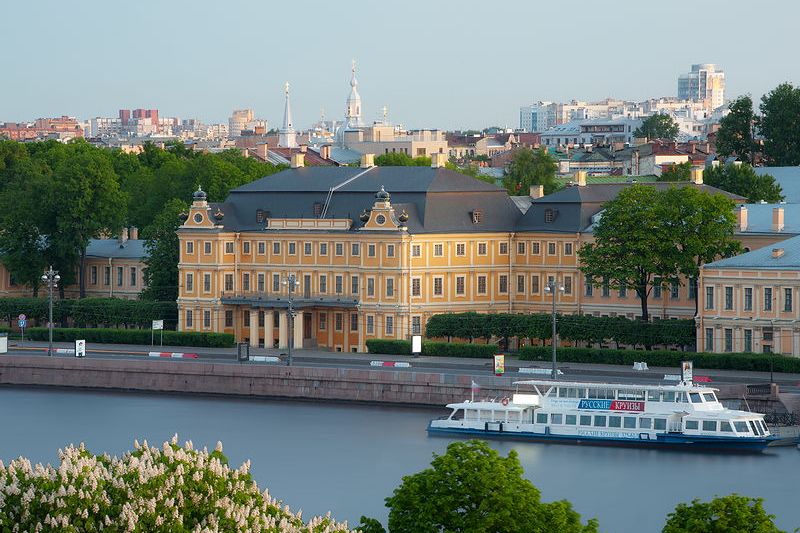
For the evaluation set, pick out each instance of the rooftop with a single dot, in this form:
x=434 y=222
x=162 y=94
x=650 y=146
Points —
x=763 y=258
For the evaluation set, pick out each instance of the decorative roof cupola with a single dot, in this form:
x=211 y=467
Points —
x=287 y=137
x=200 y=215
x=382 y=215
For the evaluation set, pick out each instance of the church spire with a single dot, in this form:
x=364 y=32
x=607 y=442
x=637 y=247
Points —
x=287 y=138
x=353 y=112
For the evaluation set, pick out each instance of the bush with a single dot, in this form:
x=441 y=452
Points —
x=432 y=349
x=727 y=361
x=91 y=311
x=133 y=336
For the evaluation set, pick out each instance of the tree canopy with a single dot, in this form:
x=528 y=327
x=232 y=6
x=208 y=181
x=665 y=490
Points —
x=677 y=172
x=735 y=134
x=658 y=126
x=401 y=159
x=741 y=179
x=780 y=126
x=472 y=488
x=646 y=237
x=728 y=514
x=55 y=197
x=531 y=167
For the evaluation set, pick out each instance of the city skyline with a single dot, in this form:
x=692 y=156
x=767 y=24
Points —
x=434 y=68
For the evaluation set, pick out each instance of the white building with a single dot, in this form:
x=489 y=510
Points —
x=703 y=82
x=536 y=117
x=239 y=120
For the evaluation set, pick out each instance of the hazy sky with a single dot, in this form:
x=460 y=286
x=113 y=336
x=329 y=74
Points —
x=445 y=64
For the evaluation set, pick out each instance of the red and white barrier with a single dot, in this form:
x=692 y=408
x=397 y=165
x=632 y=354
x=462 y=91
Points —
x=67 y=351
x=265 y=359
x=174 y=355
x=398 y=364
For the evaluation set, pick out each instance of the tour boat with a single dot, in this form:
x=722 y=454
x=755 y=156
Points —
x=682 y=415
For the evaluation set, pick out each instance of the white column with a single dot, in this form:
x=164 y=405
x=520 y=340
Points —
x=283 y=330
x=254 y=328
x=269 y=328
x=298 y=330
x=795 y=343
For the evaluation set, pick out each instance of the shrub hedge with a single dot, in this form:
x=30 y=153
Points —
x=433 y=349
x=92 y=311
x=580 y=328
x=726 y=361
x=133 y=336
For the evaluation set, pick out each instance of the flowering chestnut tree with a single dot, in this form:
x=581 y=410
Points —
x=172 y=488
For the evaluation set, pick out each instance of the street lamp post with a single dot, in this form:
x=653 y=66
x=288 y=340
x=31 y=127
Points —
x=291 y=284
x=51 y=279
x=551 y=288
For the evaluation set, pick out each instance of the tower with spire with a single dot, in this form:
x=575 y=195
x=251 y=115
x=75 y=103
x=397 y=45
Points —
x=287 y=137
x=353 y=112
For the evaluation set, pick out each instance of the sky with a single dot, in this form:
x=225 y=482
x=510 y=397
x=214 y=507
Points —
x=434 y=63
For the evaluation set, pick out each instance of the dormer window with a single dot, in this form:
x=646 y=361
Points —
x=477 y=216
x=550 y=215
x=317 y=209
x=260 y=216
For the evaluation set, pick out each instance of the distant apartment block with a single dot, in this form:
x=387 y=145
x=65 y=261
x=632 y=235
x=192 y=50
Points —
x=703 y=82
x=61 y=128
x=238 y=121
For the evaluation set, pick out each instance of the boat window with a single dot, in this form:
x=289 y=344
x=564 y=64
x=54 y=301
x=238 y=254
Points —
x=571 y=419
x=659 y=423
x=695 y=397
x=555 y=418
x=756 y=430
x=741 y=426
x=541 y=418
x=644 y=423
x=669 y=395
x=614 y=421
x=563 y=392
x=586 y=420
x=709 y=397
x=601 y=394
x=709 y=425
x=692 y=424
x=633 y=395
x=653 y=396
x=725 y=426
x=600 y=421
x=763 y=426
x=680 y=397
x=630 y=422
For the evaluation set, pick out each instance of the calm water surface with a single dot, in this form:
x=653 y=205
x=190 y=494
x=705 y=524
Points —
x=346 y=458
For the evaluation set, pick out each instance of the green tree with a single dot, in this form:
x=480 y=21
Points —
x=472 y=488
x=735 y=135
x=658 y=126
x=780 y=126
x=632 y=245
x=529 y=167
x=677 y=172
x=741 y=179
x=163 y=253
x=727 y=514
x=701 y=226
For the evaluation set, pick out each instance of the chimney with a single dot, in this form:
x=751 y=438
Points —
x=697 y=176
x=134 y=233
x=580 y=178
x=367 y=160
x=777 y=219
x=298 y=160
x=438 y=160
x=741 y=217
x=325 y=151
x=123 y=237
x=777 y=252
x=262 y=150
x=536 y=191
x=303 y=148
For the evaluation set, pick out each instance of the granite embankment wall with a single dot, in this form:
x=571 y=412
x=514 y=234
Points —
x=263 y=381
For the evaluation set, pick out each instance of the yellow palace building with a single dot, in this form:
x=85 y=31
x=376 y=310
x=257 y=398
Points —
x=375 y=251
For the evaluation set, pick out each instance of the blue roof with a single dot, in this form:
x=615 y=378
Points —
x=787 y=177
x=759 y=218
x=762 y=258
x=131 y=249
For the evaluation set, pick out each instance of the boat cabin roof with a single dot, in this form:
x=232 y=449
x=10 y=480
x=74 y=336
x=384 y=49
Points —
x=487 y=406
x=618 y=386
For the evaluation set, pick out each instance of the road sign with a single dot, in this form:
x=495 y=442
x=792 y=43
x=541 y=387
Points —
x=158 y=324
x=416 y=344
x=499 y=364
x=80 y=348
x=22 y=323
x=22 y=316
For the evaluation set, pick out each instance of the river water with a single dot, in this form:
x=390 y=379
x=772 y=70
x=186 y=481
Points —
x=347 y=458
